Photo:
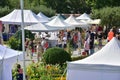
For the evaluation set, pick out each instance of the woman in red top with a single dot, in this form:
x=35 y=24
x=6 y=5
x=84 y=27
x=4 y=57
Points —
x=75 y=41
x=110 y=35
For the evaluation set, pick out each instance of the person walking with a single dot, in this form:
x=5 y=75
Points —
x=100 y=40
x=92 y=38
x=20 y=72
x=32 y=48
x=110 y=35
x=39 y=51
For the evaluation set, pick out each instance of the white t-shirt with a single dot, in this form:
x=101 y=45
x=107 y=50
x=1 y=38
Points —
x=64 y=40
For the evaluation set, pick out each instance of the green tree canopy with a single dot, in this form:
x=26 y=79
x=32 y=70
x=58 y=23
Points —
x=99 y=4
x=77 y=6
x=59 y=6
x=109 y=16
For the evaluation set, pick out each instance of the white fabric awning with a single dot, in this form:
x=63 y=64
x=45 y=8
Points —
x=58 y=23
x=84 y=16
x=102 y=65
x=95 y=21
x=15 y=17
x=8 y=57
x=108 y=55
x=43 y=17
x=73 y=21
x=40 y=27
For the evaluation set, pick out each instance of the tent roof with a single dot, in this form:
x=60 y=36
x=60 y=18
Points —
x=43 y=17
x=57 y=22
x=73 y=21
x=15 y=17
x=8 y=57
x=6 y=53
x=108 y=55
x=60 y=16
x=40 y=27
x=84 y=16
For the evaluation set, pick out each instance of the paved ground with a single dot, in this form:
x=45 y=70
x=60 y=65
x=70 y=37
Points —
x=78 y=53
x=28 y=60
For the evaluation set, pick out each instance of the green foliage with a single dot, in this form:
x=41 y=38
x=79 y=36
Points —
x=47 y=11
x=78 y=58
x=13 y=43
x=4 y=10
x=60 y=6
x=3 y=3
x=14 y=4
x=109 y=16
x=18 y=36
x=15 y=71
x=56 y=56
x=40 y=71
x=98 y=4
x=78 y=6
x=106 y=3
x=28 y=34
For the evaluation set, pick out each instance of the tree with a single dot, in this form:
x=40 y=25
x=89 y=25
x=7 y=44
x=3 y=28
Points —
x=109 y=16
x=58 y=5
x=76 y=5
x=14 y=4
x=4 y=3
x=4 y=10
x=106 y=3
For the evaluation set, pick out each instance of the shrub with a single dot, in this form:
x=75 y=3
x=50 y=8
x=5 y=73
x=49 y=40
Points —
x=13 y=43
x=78 y=58
x=18 y=36
x=56 y=56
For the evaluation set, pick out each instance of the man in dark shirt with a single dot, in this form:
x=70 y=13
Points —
x=92 y=35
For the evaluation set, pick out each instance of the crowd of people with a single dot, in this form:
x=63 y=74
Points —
x=78 y=38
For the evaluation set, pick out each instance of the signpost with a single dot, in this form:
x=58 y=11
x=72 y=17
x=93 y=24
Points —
x=23 y=38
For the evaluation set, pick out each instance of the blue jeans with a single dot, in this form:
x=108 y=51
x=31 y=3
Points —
x=91 y=51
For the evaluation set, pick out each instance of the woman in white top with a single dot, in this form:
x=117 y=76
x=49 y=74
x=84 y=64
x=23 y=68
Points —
x=64 y=42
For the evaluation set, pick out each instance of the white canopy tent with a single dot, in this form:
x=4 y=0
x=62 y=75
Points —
x=40 y=27
x=15 y=17
x=58 y=23
x=84 y=16
x=95 y=21
x=102 y=65
x=73 y=21
x=8 y=57
x=43 y=17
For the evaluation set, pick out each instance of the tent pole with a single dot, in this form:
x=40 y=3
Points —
x=23 y=38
